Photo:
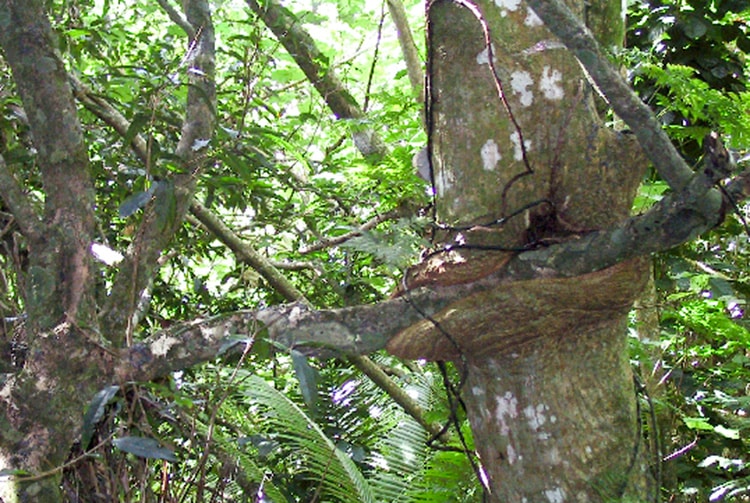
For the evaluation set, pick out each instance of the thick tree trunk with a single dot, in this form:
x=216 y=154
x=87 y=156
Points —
x=558 y=422
x=521 y=160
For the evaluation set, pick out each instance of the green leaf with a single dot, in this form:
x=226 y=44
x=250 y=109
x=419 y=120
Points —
x=136 y=125
x=727 y=432
x=135 y=202
x=697 y=423
x=94 y=413
x=142 y=447
x=319 y=459
x=308 y=379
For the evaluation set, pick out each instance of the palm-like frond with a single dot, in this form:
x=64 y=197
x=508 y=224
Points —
x=245 y=462
x=320 y=461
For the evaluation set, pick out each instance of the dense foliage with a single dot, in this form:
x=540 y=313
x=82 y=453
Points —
x=270 y=425
x=688 y=59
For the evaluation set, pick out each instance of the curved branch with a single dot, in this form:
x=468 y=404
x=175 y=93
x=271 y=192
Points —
x=654 y=141
x=675 y=219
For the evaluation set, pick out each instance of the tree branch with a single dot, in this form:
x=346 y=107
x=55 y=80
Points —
x=40 y=76
x=675 y=219
x=654 y=141
x=18 y=204
x=329 y=242
x=408 y=48
x=245 y=253
x=177 y=18
x=109 y=114
x=301 y=46
x=165 y=214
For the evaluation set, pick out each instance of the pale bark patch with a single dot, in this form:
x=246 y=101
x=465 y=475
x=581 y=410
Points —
x=550 y=84
x=490 y=155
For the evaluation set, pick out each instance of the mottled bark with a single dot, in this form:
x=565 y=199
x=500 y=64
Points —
x=41 y=405
x=521 y=160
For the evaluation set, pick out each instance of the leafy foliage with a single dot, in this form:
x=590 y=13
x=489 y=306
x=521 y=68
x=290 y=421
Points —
x=276 y=427
x=688 y=60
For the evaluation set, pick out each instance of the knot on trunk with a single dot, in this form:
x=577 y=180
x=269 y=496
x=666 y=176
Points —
x=512 y=317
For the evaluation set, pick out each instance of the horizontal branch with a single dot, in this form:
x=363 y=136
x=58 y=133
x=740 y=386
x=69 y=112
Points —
x=356 y=330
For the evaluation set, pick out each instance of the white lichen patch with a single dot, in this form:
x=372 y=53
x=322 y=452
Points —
x=6 y=392
x=511 y=453
x=556 y=495
x=536 y=416
x=552 y=456
x=508 y=5
x=517 y=151
x=541 y=46
x=490 y=155
x=477 y=391
x=521 y=83
x=550 y=84
x=295 y=315
x=162 y=345
x=483 y=57
x=507 y=407
x=443 y=183
x=532 y=19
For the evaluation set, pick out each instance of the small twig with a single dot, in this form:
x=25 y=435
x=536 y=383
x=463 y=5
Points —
x=330 y=242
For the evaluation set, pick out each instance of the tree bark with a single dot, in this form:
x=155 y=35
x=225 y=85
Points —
x=557 y=421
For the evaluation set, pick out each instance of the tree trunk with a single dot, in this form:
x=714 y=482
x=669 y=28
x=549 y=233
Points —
x=558 y=421
x=520 y=160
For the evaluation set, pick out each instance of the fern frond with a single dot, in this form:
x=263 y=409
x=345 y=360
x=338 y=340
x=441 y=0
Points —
x=319 y=459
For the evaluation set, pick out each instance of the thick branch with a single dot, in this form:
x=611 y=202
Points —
x=301 y=46
x=354 y=330
x=654 y=141
x=18 y=204
x=245 y=253
x=164 y=215
x=40 y=76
